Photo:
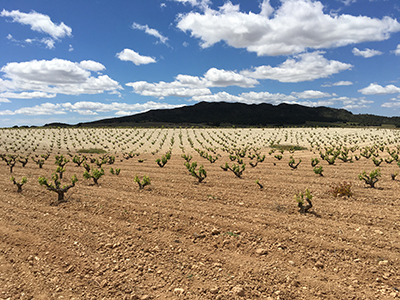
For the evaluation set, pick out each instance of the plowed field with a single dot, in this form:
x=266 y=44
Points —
x=224 y=238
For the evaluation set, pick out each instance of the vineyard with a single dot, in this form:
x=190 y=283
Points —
x=191 y=213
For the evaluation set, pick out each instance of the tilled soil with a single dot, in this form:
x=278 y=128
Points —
x=225 y=238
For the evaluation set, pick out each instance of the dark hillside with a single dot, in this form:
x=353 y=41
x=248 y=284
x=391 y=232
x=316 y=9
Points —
x=222 y=113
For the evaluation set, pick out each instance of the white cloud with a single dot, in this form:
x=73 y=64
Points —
x=87 y=108
x=56 y=71
x=391 y=105
x=42 y=109
x=190 y=86
x=4 y=100
x=56 y=76
x=376 y=89
x=367 y=53
x=27 y=95
x=150 y=31
x=39 y=22
x=311 y=94
x=247 y=98
x=397 y=51
x=164 y=89
x=86 y=112
x=194 y=82
x=91 y=65
x=222 y=96
x=355 y=103
x=297 y=25
x=48 y=42
x=348 y=2
x=395 y=103
x=222 y=78
x=192 y=2
x=98 y=107
x=136 y=58
x=316 y=103
x=199 y=3
x=70 y=49
x=122 y=113
x=342 y=83
x=6 y=112
x=6 y=85
x=266 y=97
x=339 y=83
x=302 y=67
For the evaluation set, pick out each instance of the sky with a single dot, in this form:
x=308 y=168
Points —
x=76 y=61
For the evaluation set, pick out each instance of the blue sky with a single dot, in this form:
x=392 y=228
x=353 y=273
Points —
x=75 y=61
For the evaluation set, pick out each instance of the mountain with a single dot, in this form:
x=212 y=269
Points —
x=228 y=114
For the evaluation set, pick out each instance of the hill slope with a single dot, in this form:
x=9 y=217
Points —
x=222 y=113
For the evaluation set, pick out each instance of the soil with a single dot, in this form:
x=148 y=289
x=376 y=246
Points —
x=224 y=238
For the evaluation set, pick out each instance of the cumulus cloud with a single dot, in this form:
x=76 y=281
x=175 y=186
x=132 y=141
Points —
x=339 y=83
x=391 y=104
x=395 y=103
x=297 y=25
x=26 y=95
x=56 y=71
x=199 y=3
x=248 y=98
x=91 y=65
x=355 y=103
x=99 y=107
x=219 y=97
x=42 y=109
x=40 y=23
x=397 y=51
x=348 y=2
x=167 y=89
x=150 y=31
x=56 y=76
x=376 y=89
x=48 y=42
x=189 y=86
x=367 y=53
x=342 y=83
x=136 y=58
x=302 y=67
x=87 y=108
x=311 y=94
x=222 y=78
x=6 y=85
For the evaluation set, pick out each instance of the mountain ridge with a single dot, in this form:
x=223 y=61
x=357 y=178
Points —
x=239 y=114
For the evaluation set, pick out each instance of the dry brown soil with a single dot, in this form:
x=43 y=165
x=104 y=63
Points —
x=222 y=239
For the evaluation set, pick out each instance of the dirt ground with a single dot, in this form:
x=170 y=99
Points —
x=224 y=238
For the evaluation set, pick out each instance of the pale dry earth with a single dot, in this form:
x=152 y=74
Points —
x=224 y=238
